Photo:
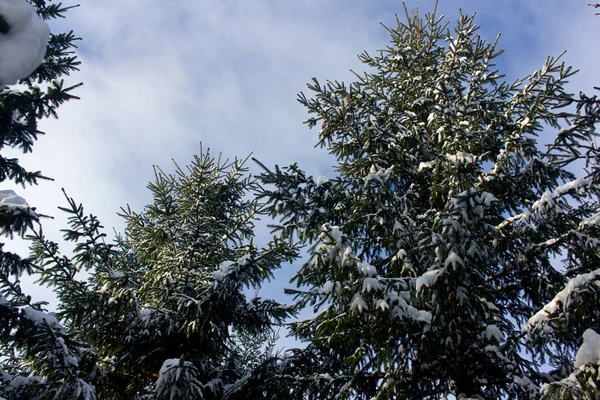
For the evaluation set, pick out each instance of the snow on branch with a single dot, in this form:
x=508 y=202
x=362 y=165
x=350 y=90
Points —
x=560 y=302
x=576 y=185
x=178 y=379
x=41 y=318
x=10 y=201
x=548 y=202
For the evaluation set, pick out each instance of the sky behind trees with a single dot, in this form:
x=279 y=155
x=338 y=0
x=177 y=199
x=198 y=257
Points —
x=159 y=78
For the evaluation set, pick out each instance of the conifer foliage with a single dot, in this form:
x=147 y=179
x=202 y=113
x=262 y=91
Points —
x=165 y=312
x=451 y=254
x=38 y=357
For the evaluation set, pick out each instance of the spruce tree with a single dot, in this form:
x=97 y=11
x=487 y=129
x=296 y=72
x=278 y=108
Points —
x=38 y=359
x=167 y=307
x=451 y=254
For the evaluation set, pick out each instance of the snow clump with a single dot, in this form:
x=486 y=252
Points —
x=11 y=202
x=320 y=180
x=589 y=352
x=23 y=39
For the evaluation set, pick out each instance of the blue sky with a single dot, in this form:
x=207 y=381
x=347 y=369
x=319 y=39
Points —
x=161 y=77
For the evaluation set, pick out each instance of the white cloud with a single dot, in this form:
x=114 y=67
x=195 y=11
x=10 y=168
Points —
x=160 y=77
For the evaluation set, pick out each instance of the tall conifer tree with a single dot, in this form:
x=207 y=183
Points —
x=451 y=254
x=167 y=309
